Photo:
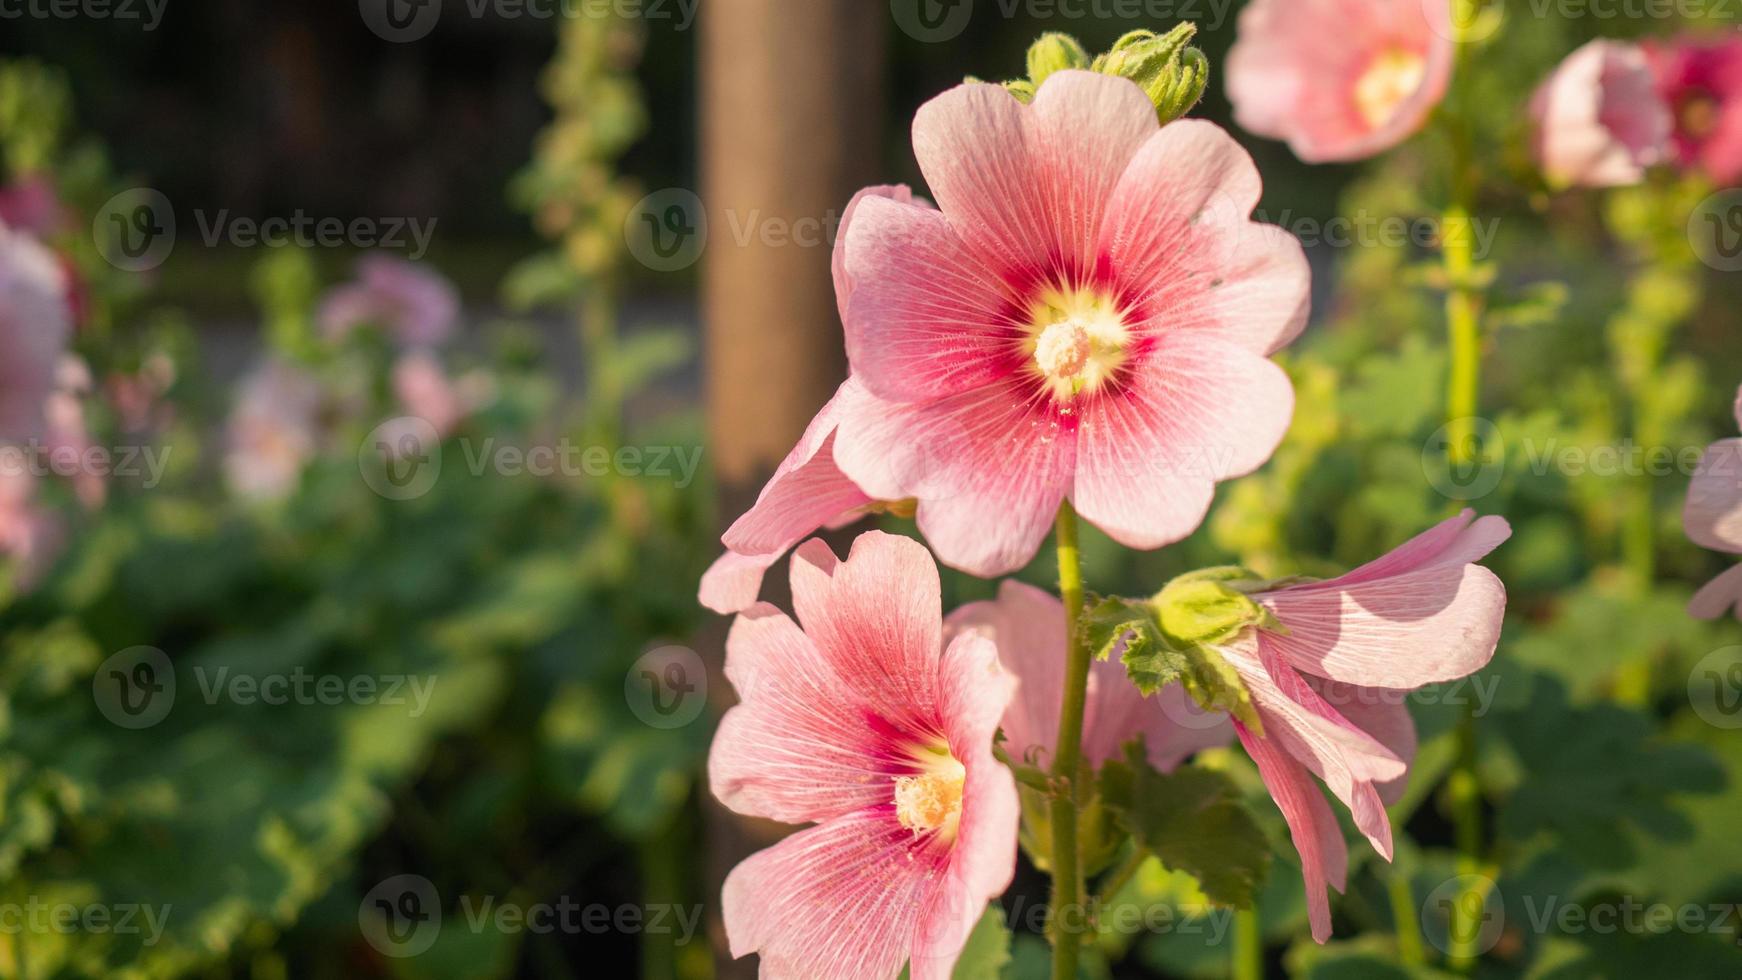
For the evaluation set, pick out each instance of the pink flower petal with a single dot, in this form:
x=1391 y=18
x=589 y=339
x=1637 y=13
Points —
x=989 y=470
x=877 y=620
x=797 y=749
x=1719 y=596
x=1455 y=541
x=1598 y=119
x=1202 y=412
x=1324 y=856
x=1381 y=713
x=806 y=493
x=1179 y=229
x=1713 y=514
x=840 y=900
x=1026 y=187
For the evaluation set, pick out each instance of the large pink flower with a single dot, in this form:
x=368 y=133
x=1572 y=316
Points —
x=1701 y=80
x=1339 y=79
x=35 y=326
x=1087 y=317
x=1330 y=691
x=807 y=493
x=417 y=307
x=866 y=723
x=1599 y=120
x=1028 y=626
x=1713 y=518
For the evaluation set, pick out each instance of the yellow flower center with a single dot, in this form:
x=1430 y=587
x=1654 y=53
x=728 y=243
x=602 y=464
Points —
x=1387 y=83
x=1076 y=340
x=932 y=799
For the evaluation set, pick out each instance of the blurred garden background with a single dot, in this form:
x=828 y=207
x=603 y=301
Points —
x=420 y=352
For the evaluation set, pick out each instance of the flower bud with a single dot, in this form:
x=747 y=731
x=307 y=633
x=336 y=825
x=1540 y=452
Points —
x=1054 y=52
x=1172 y=74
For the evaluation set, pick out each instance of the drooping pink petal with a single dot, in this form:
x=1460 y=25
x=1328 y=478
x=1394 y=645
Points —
x=1351 y=762
x=1599 y=121
x=1380 y=712
x=1459 y=540
x=1324 y=856
x=807 y=492
x=1148 y=462
x=1719 y=596
x=1180 y=228
x=1028 y=626
x=1339 y=79
x=1713 y=513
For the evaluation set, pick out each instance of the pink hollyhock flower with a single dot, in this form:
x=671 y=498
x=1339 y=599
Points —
x=1330 y=691
x=31 y=536
x=274 y=431
x=807 y=493
x=1339 y=79
x=867 y=724
x=1028 y=627
x=1701 y=80
x=31 y=204
x=35 y=326
x=417 y=308
x=1087 y=317
x=1713 y=519
x=1599 y=120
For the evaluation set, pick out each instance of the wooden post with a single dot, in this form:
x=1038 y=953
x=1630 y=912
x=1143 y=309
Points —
x=791 y=124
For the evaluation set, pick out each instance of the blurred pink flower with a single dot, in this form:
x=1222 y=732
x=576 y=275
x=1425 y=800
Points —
x=35 y=326
x=807 y=493
x=1713 y=519
x=1028 y=627
x=67 y=435
x=417 y=307
x=273 y=431
x=31 y=204
x=1331 y=690
x=425 y=390
x=1701 y=80
x=31 y=536
x=1599 y=120
x=138 y=398
x=866 y=723
x=1339 y=79
x=1088 y=317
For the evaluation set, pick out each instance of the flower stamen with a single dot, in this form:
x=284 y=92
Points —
x=1389 y=81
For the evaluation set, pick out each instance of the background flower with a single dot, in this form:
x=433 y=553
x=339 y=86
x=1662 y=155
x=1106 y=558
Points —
x=1599 y=120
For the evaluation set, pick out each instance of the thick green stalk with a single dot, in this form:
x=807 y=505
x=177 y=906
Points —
x=1248 y=945
x=1069 y=914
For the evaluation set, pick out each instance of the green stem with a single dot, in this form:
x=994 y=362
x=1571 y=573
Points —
x=1464 y=339
x=1067 y=876
x=1404 y=917
x=1248 y=945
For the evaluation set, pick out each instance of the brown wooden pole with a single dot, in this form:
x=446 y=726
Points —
x=791 y=125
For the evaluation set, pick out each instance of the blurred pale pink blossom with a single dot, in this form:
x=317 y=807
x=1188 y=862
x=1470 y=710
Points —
x=417 y=307
x=274 y=431
x=1599 y=121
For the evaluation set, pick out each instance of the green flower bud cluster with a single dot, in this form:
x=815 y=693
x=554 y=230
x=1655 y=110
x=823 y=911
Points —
x=1171 y=72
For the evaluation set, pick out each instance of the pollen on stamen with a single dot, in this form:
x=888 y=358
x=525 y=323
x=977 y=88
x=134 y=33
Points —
x=929 y=801
x=1063 y=350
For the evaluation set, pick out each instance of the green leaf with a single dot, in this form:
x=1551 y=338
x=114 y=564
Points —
x=1193 y=820
x=988 y=949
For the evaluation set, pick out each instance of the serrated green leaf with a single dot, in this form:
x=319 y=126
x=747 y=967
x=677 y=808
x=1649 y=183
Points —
x=1192 y=819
